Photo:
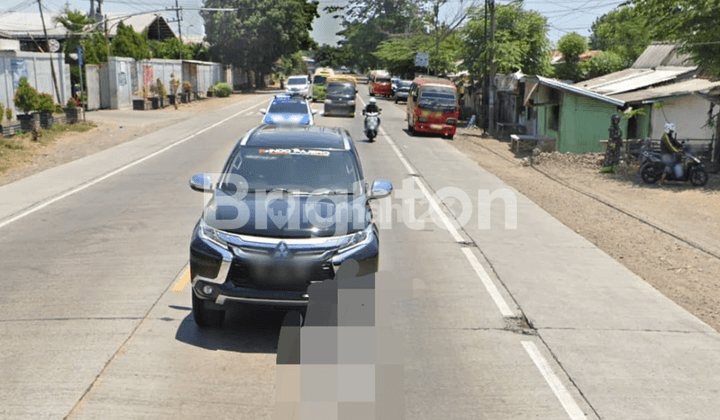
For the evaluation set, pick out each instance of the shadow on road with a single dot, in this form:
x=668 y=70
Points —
x=245 y=330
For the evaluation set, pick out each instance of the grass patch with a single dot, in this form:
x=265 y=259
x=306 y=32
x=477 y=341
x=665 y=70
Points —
x=18 y=151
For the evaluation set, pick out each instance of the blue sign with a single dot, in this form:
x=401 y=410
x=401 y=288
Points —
x=80 y=55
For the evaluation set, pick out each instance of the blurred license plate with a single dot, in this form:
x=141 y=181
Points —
x=436 y=126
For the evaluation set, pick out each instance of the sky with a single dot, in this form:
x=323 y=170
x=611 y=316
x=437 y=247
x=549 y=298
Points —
x=564 y=16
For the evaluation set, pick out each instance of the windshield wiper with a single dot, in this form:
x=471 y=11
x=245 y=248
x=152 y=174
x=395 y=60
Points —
x=333 y=192
x=278 y=189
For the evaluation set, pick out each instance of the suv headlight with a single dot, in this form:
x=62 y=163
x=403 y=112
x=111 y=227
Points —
x=211 y=234
x=356 y=239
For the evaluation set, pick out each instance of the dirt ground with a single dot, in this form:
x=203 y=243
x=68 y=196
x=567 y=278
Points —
x=666 y=234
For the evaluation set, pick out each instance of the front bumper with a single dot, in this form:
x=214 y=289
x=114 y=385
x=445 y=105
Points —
x=247 y=273
x=337 y=107
x=435 y=128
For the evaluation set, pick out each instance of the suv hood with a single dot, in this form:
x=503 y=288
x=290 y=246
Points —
x=288 y=216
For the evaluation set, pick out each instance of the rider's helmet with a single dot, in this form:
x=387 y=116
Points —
x=615 y=118
x=372 y=101
x=669 y=127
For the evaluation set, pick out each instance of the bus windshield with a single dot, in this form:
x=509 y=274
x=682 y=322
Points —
x=438 y=98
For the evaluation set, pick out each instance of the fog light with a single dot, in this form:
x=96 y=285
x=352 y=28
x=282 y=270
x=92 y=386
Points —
x=208 y=290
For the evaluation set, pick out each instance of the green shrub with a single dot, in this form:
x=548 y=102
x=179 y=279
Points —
x=45 y=103
x=26 y=96
x=2 y=112
x=161 y=88
x=8 y=114
x=222 y=89
x=71 y=103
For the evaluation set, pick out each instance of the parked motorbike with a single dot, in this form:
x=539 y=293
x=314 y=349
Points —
x=653 y=167
x=372 y=123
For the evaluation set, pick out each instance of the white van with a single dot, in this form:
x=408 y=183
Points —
x=298 y=85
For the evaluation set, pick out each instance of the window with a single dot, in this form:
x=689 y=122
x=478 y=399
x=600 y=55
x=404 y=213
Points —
x=554 y=117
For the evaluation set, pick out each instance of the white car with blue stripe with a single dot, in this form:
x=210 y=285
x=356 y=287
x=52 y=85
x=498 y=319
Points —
x=286 y=109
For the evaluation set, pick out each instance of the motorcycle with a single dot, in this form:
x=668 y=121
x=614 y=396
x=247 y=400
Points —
x=653 y=167
x=372 y=123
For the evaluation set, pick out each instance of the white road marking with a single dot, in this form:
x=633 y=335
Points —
x=567 y=401
x=116 y=171
x=492 y=290
x=489 y=285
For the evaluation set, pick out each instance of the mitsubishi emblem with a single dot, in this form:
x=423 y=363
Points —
x=282 y=251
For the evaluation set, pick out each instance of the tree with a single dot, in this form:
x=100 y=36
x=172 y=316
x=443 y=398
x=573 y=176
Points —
x=81 y=33
x=622 y=31
x=327 y=56
x=452 y=19
x=605 y=63
x=260 y=32
x=521 y=41
x=128 y=43
x=398 y=55
x=692 y=23
x=571 y=46
x=171 y=48
x=368 y=23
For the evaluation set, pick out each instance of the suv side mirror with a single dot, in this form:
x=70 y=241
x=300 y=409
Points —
x=201 y=182
x=381 y=188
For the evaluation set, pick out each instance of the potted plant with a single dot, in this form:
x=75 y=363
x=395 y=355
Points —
x=25 y=100
x=73 y=113
x=9 y=127
x=162 y=93
x=174 y=86
x=210 y=92
x=46 y=108
x=142 y=103
x=187 y=92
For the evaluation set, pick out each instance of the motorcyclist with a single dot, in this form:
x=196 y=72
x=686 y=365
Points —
x=371 y=107
x=671 y=150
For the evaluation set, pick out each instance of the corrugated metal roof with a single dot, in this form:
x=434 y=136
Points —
x=686 y=87
x=660 y=54
x=634 y=79
x=579 y=91
x=18 y=24
x=597 y=82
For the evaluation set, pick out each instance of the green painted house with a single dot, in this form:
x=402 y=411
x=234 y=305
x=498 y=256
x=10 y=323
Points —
x=575 y=117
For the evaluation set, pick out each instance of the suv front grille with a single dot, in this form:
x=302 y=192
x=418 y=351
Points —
x=279 y=275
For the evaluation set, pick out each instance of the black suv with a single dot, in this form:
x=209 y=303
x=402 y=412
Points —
x=290 y=205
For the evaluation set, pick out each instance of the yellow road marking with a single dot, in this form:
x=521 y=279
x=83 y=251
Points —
x=183 y=281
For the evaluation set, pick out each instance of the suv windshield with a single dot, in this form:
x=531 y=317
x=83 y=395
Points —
x=319 y=79
x=297 y=81
x=303 y=170
x=437 y=97
x=288 y=107
x=404 y=83
x=335 y=88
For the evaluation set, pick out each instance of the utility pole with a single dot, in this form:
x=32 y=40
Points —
x=491 y=91
x=177 y=11
x=52 y=61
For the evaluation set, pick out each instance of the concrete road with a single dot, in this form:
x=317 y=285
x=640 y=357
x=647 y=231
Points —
x=506 y=314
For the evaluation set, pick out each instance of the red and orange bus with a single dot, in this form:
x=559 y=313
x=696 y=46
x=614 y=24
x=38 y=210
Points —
x=380 y=84
x=433 y=107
